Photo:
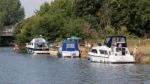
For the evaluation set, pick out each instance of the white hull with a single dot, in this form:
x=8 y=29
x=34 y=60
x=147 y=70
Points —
x=113 y=59
x=32 y=51
x=41 y=52
x=70 y=54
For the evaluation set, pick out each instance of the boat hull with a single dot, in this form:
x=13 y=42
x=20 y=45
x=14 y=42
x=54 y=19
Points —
x=112 y=59
x=37 y=51
x=68 y=54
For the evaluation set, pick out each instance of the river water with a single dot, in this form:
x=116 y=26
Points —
x=27 y=69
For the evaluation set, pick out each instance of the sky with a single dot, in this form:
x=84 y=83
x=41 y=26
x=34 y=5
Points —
x=32 y=5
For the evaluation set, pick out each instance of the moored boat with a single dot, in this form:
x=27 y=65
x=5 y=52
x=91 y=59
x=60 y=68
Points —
x=37 y=46
x=114 y=50
x=69 y=48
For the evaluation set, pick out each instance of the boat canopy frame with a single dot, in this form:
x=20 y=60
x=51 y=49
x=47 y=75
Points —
x=118 y=39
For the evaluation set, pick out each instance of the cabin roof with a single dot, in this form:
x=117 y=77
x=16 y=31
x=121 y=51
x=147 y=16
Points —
x=109 y=40
x=101 y=47
x=36 y=40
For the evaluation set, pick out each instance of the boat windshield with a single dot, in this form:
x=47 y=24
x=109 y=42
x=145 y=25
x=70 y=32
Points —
x=103 y=52
x=70 y=46
x=121 y=39
x=113 y=40
x=39 y=40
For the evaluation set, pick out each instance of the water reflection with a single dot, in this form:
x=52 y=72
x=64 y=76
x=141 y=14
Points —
x=43 y=69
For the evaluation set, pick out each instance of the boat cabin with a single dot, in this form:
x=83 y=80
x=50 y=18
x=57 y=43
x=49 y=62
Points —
x=100 y=50
x=117 y=44
x=70 y=45
x=38 y=43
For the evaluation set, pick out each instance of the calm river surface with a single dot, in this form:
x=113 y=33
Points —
x=26 y=69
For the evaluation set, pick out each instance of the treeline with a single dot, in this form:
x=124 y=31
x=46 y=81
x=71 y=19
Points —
x=89 y=19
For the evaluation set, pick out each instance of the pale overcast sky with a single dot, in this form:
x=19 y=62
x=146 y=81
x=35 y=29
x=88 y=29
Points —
x=31 y=5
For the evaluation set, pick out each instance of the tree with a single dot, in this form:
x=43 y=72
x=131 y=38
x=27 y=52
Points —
x=11 y=12
x=87 y=19
x=134 y=14
x=86 y=7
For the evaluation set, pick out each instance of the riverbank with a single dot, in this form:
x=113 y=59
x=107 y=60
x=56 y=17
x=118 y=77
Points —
x=141 y=49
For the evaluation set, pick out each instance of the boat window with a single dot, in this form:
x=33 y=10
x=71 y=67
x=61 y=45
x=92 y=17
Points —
x=94 y=51
x=106 y=41
x=103 y=52
x=39 y=40
x=121 y=39
x=70 y=46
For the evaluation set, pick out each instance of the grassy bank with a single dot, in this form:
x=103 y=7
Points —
x=141 y=49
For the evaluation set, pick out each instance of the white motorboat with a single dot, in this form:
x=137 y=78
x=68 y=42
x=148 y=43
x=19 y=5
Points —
x=38 y=46
x=114 y=50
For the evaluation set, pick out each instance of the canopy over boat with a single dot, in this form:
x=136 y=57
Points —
x=70 y=45
x=111 y=40
x=75 y=38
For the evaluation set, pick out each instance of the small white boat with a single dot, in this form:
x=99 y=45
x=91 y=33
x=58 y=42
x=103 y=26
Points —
x=114 y=50
x=38 y=46
x=69 y=49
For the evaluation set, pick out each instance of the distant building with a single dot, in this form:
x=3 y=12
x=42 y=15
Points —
x=6 y=35
x=7 y=31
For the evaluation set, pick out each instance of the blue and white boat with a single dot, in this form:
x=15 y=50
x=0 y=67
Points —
x=69 y=48
x=37 y=46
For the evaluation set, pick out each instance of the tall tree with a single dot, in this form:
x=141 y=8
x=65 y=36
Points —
x=11 y=12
